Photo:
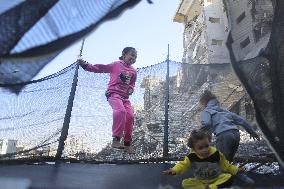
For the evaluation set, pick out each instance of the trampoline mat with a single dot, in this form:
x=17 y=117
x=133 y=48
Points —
x=103 y=176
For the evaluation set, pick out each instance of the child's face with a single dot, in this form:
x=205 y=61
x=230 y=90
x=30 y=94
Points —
x=201 y=147
x=130 y=57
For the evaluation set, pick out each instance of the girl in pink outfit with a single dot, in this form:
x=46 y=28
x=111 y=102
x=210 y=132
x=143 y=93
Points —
x=121 y=85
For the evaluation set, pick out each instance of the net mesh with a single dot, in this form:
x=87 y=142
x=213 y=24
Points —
x=33 y=116
x=32 y=119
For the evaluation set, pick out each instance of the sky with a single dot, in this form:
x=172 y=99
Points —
x=147 y=27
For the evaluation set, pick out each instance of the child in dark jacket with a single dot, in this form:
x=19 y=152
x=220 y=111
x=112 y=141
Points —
x=224 y=124
x=210 y=168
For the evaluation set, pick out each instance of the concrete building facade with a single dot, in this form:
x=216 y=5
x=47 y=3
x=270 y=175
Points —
x=207 y=24
x=205 y=31
x=250 y=24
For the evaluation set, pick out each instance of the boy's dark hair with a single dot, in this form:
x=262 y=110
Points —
x=206 y=97
x=196 y=135
x=126 y=50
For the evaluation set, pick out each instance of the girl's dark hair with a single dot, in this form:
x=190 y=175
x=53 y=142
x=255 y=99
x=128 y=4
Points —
x=196 y=135
x=126 y=50
x=206 y=97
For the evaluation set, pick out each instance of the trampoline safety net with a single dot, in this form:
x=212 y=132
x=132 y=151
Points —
x=32 y=118
x=34 y=113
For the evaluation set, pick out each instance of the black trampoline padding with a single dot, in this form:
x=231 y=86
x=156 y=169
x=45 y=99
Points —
x=106 y=176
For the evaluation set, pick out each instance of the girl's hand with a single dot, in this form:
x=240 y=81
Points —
x=82 y=63
x=130 y=91
x=169 y=172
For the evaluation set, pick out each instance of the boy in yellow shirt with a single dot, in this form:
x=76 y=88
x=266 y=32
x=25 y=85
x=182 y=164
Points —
x=210 y=168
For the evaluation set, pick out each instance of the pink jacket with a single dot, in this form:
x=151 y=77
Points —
x=122 y=76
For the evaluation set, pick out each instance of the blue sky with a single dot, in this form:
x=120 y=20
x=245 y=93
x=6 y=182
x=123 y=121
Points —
x=147 y=27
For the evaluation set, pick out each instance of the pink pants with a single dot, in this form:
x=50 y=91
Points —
x=123 y=117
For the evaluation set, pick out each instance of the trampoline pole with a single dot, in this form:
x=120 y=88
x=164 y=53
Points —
x=166 y=125
x=65 y=127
